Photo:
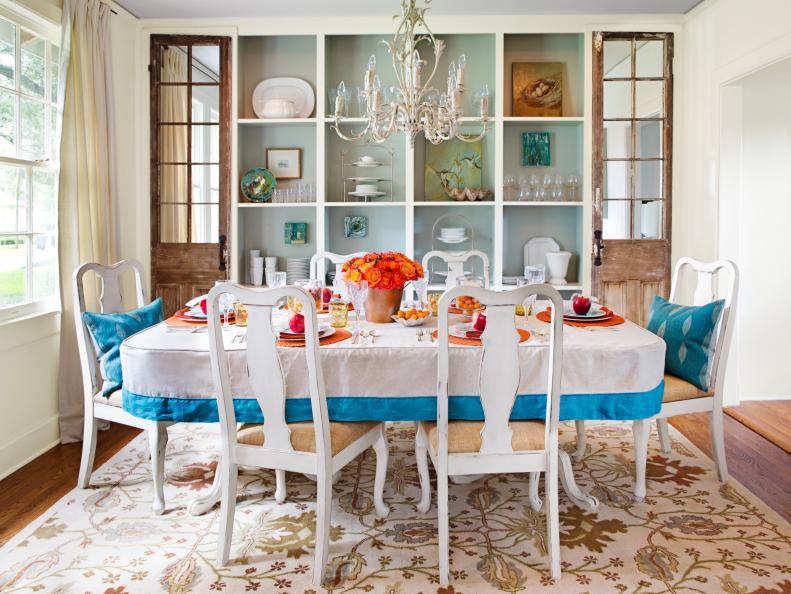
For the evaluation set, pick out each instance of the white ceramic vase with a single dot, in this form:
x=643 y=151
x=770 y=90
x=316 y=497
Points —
x=558 y=264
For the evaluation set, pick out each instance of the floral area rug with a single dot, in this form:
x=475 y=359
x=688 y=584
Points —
x=692 y=534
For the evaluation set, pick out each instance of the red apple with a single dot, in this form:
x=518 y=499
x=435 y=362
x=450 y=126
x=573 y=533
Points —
x=203 y=305
x=297 y=323
x=479 y=321
x=581 y=304
x=326 y=295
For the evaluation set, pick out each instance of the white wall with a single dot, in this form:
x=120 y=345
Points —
x=762 y=214
x=29 y=348
x=722 y=41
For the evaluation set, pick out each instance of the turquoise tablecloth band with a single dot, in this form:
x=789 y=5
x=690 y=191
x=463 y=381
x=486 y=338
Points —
x=615 y=407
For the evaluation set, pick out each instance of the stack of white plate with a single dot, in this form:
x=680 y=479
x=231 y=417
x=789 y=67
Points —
x=452 y=234
x=297 y=269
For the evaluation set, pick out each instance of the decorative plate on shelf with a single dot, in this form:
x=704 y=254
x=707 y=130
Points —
x=367 y=163
x=535 y=251
x=258 y=185
x=295 y=90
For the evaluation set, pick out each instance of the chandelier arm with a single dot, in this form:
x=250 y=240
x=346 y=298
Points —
x=352 y=137
x=465 y=138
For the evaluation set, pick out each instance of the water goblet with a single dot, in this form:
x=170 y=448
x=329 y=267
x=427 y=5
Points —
x=357 y=294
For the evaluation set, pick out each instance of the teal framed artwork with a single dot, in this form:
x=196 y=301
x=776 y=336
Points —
x=355 y=227
x=536 y=149
x=296 y=233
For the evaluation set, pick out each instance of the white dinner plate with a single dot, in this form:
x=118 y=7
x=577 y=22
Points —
x=452 y=239
x=460 y=330
x=290 y=89
x=323 y=333
x=595 y=312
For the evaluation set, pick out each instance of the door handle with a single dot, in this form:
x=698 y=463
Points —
x=223 y=253
x=598 y=246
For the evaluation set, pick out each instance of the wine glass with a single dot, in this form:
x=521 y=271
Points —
x=226 y=306
x=421 y=288
x=357 y=293
x=534 y=275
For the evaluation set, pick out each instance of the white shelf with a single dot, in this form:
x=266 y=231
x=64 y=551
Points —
x=276 y=121
x=558 y=287
x=570 y=120
x=453 y=203
x=354 y=203
x=274 y=204
x=541 y=203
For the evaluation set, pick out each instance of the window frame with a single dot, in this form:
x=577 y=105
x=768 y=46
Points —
x=35 y=24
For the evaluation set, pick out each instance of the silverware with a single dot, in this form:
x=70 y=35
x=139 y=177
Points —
x=419 y=334
x=374 y=335
x=355 y=336
x=363 y=334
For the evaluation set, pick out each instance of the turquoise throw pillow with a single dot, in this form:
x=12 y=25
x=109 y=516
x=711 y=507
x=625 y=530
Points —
x=688 y=332
x=109 y=331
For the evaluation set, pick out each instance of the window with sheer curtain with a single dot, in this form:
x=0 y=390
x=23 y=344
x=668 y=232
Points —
x=29 y=63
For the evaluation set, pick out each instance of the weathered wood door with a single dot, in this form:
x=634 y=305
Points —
x=190 y=165
x=632 y=169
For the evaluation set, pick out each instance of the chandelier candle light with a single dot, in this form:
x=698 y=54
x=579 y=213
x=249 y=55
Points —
x=414 y=107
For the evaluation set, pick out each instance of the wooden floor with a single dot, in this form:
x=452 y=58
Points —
x=31 y=490
x=24 y=495
x=770 y=418
x=755 y=462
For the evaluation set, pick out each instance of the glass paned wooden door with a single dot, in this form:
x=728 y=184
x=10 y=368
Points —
x=632 y=168
x=190 y=168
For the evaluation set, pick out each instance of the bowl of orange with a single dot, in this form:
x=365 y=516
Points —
x=412 y=315
x=467 y=305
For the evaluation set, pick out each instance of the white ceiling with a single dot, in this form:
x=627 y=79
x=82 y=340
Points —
x=264 y=8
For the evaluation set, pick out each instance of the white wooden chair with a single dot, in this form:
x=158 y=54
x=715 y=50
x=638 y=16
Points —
x=714 y=280
x=495 y=445
x=455 y=262
x=336 y=259
x=97 y=407
x=319 y=448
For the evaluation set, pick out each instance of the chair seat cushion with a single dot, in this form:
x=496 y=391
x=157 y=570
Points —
x=109 y=330
x=114 y=399
x=690 y=334
x=464 y=437
x=677 y=389
x=303 y=438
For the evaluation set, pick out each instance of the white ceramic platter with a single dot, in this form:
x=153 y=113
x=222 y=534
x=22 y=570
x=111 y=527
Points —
x=367 y=194
x=536 y=250
x=367 y=164
x=452 y=239
x=291 y=89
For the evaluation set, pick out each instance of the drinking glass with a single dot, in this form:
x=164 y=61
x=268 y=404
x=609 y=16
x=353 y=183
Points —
x=357 y=294
x=572 y=187
x=275 y=280
x=534 y=275
x=362 y=101
x=524 y=189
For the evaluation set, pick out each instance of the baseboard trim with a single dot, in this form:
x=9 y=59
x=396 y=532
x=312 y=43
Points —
x=32 y=444
x=754 y=398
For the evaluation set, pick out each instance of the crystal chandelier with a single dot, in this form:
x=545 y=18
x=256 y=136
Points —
x=412 y=105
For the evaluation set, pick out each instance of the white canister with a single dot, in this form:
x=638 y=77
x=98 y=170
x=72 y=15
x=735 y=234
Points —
x=558 y=264
x=257 y=276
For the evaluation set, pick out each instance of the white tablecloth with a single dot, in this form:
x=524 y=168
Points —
x=613 y=372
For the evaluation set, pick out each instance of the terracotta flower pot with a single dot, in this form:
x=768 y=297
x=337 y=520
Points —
x=381 y=304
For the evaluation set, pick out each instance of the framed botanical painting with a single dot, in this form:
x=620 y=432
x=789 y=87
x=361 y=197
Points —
x=537 y=89
x=284 y=163
x=535 y=149
x=296 y=233
x=355 y=226
x=452 y=165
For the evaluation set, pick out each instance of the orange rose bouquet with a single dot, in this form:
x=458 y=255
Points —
x=382 y=270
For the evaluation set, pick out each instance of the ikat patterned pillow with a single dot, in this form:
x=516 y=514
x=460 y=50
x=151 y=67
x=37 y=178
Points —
x=689 y=333
x=110 y=330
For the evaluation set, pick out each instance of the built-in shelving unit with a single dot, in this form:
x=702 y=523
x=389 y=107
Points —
x=404 y=220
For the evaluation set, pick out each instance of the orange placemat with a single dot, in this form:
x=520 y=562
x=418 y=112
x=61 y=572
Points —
x=615 y=320
x=523 y=336
x=339 y=335
x=175 y=322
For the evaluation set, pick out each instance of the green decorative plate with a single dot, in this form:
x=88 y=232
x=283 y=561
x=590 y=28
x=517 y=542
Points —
x=258 y=185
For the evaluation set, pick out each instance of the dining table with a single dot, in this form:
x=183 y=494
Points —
x=388 y=372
